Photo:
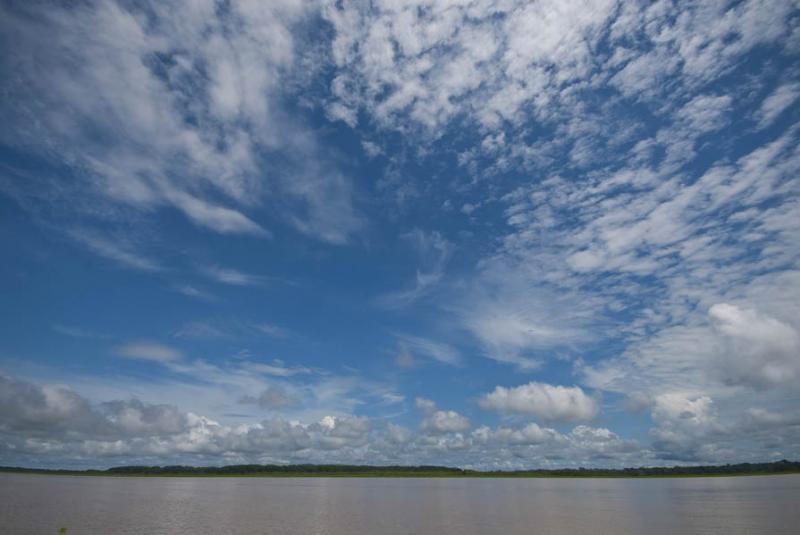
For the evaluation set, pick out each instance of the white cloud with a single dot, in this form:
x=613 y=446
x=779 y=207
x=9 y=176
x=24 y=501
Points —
x=419 y=346
x=200 y=330
x=148 y=351
x=232 y=276
x=54 y=420
x=676 y=406
x=686 y=426
x=191 y=291
x=757 y=349
x=273 y=397
x=431 y=63
x=557 y=403
x=51 y=411
x=218 y=218
x=371 y=148
x=763 y=418
x=404 y=358
x=231 y=328
x=642 y=207
x=277 y=369
x=117 y=249
x=602 y=443
x=445 y=422
x=428 y=66
x=705 y=113
x=172 y=104
x=425 y=405
x=275 y=331
x=37 y=418
x=434 y=252
x=638 y=216
x=735 y=351
x=398 y=434
x=76 y=332
x=776 y=103
x=437 y=422
x=518 y=316
x=529 y=434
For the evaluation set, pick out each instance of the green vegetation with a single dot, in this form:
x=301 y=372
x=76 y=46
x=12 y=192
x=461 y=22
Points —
x=342 y=470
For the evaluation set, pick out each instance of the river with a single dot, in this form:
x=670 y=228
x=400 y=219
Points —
x=333 y=506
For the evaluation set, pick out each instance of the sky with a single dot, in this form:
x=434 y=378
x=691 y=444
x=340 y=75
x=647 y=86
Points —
x=474 y=233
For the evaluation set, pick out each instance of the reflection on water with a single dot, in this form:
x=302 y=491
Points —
x=42 y=504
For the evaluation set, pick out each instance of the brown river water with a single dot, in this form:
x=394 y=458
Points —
x=333 y=506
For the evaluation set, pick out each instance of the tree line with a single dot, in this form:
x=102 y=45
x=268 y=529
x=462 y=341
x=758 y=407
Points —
x=321 y=470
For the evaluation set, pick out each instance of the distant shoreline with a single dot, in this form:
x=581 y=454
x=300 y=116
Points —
x=360 y=471
x=384 y=476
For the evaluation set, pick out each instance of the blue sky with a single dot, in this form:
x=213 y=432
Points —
x=474 y=233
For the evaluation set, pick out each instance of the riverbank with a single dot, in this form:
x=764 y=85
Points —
x=356 y=471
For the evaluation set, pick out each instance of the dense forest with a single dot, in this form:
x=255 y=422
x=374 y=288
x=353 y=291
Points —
x=342 y=470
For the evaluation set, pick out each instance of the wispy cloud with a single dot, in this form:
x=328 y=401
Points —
x=192 y=291
x=76 y=332
x=218 y=218
x=230 y=328
x=275 y=331
x=776 y=103
x=277 y=368
x=609 y=196
x=149 y=351
x=273 y=397
x=424 y=347
x=150 y=129
x=434 y=252
x=118 y=250
x=233 y=277
x=201 y=330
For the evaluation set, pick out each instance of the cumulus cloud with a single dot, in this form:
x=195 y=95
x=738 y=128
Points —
x=445 y=422
x=52 y=411
x=427 y=406
x=137 y=418
x=54 y=420
x=686 y=425
x=35 y=418
x=398 y=434
x=733 y=350
x=556 y=403
x=758 y=349
x=602 y=443
x=676 y=406
x=633 y=223
x=529 y=434
x=757 y=418
x=437 y=422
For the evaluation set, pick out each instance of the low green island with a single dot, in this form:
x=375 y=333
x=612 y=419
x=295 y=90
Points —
x=342 y=470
